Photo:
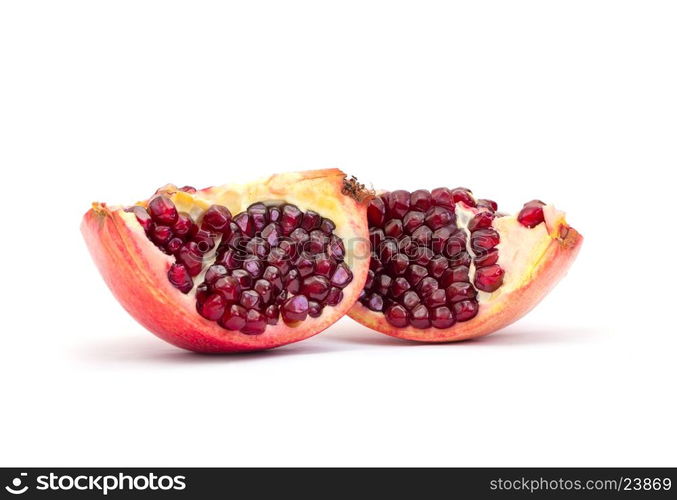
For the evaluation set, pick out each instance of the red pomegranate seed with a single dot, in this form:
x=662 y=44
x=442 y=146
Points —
x=305 y=266
x=460 y=259
x=460 y=273
x=382 y=284
x=161 y=234
x=291 y=218
x=415 y=273
x=265 y=290
x=420 y=317
x=370 y=280
x=487 y=259
x=315 y=287
x=441 y=236
x=191 y=257
x=213 y=307
x=229 y=287
x=311 y=220
x=437 y=217
x=314 y=309
x=255 y=324
x=447 y=278
x=272 y=234
x=342 y=276
x=443 y=197
x=184 y=226
x=179 y=277
x=274 y=214
x=424 y=256
x=204 y=241
x=257 y=247
x=214 y=273
x=394 y=228
x=292 y=282
x=188 y=189
x=273 y=275
x=253 y=266
x=243 y=278
x=217 y=219
x=244 y=223
x=376 y=237
x=435 y=298
x=295 y=309
x=482 y=220
x=421 y=200
x=230 y=259
x=463 y=195
x=318 y=242
x=325 y=266
x=422 y=236
x=426 y=286
x=456 y=244
x=259 y=215
x=162 y=210
x=174 y=245
x=442 y=317
x=336 y=248
x=489 y=279
x=532 y=214
x=410 y=299
x=397 y=316
x=374 y=302
x=334 y=297
x=278 y=258
x=300 y=238
x=490 y=205
x=412 y=221
x=398 y=204
x=376 y=212
x=398 y=287
x=250 y=299
x=272 y=313
x=398 y=264
x=484 y=239
x=465 y=310
x=235 y=317
x=327 y=226
x=202 y=292
x=457 y=292
x=437 y=266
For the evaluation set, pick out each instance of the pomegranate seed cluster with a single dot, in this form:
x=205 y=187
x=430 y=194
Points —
x=420 y=270
x=271 y=261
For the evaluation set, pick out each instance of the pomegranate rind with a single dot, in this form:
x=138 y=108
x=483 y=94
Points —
x=539 y=264
x=136 y=271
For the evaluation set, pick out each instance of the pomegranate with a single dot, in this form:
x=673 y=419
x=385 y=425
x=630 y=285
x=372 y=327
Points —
x=446 y=266
x=236 y=267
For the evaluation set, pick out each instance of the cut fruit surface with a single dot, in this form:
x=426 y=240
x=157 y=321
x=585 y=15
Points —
x=447 y=267
x=236 y=267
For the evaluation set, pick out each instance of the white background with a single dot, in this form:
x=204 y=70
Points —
x=571 y=102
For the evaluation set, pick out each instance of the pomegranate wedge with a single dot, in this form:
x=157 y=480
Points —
x=447 y=267
x=236 y=267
